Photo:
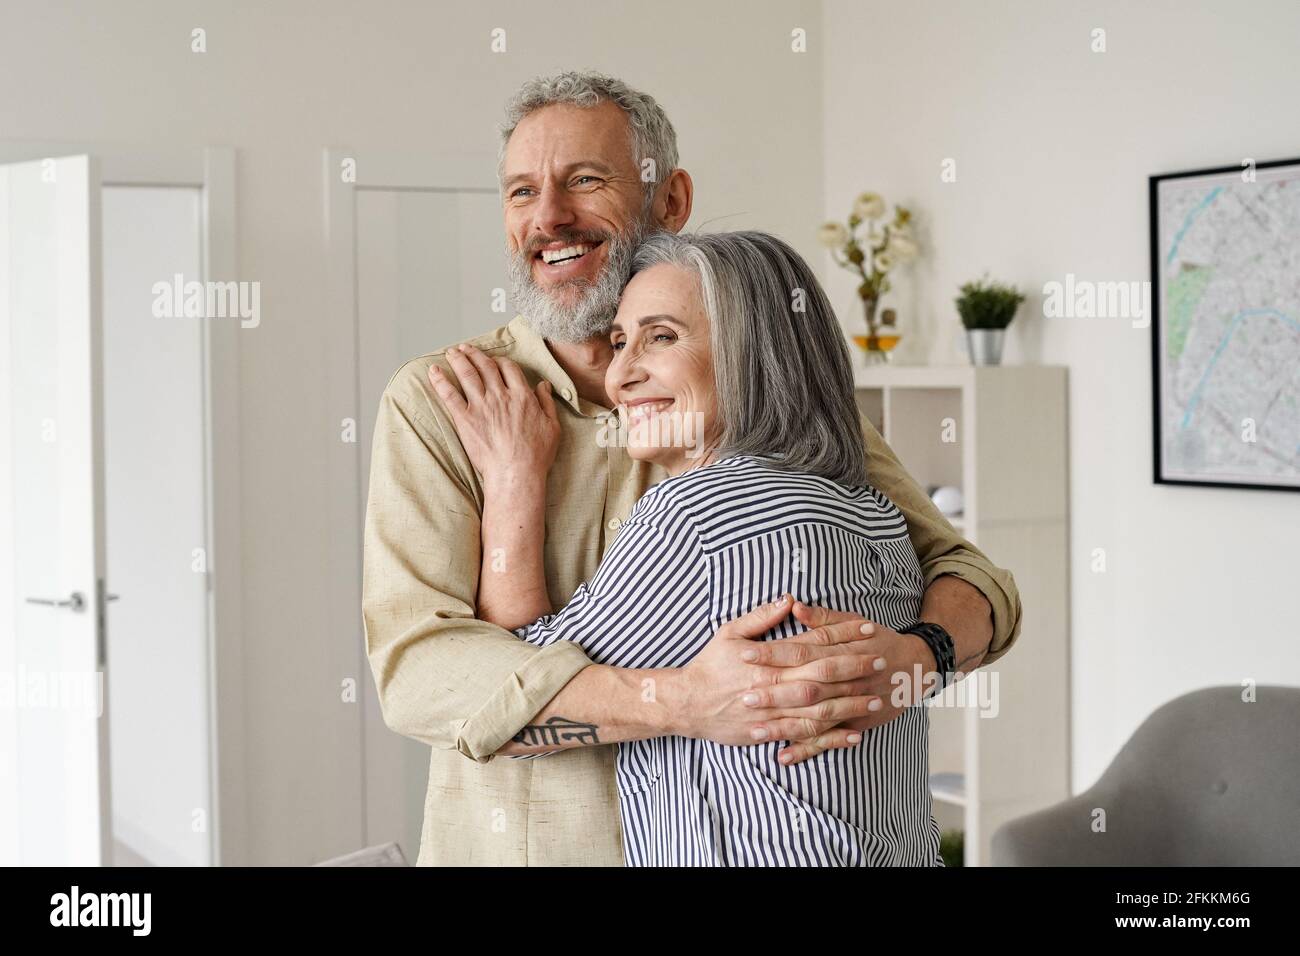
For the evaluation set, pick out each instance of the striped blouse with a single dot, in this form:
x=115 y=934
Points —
x=698 y=550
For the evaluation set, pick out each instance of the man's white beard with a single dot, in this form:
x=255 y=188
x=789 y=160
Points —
x=597 y=302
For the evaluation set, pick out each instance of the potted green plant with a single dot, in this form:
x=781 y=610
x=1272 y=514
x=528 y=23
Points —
x=986 y=309
x=952 y=847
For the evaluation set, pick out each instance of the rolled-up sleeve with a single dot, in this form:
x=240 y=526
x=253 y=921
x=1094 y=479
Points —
x=443 y=677
x=939 y=548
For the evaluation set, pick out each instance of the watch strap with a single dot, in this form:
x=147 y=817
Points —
x=941 y=646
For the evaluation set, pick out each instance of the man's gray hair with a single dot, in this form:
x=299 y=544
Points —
x=781 y=366
x=653 y=136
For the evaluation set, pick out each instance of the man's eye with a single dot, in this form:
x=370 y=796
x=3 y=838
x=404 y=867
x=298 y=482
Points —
x=519 y=192
x=582 y=180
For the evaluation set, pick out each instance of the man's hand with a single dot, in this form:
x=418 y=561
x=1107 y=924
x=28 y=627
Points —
x=741 y=691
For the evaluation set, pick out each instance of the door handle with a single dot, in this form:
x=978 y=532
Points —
x=76 y=602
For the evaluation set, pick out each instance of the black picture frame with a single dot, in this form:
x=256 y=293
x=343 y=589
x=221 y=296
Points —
x=1153 y=185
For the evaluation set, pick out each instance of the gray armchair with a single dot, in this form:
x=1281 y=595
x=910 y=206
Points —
x=1206 y=780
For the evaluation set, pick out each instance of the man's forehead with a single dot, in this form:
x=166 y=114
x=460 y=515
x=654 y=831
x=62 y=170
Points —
x=564 y=134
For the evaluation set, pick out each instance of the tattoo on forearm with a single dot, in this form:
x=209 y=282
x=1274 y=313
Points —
x=555 y=730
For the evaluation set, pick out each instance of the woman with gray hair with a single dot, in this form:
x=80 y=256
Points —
x=731 y=373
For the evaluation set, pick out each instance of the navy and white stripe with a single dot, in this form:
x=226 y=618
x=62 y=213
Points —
x=703 y=548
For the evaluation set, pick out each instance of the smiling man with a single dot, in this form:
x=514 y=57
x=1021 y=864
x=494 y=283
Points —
x=588 y=166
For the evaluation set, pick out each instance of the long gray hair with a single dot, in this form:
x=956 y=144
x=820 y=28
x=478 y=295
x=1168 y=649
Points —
x=780 y=363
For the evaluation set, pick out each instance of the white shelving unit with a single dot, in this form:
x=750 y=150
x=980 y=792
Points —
x=1000 y=435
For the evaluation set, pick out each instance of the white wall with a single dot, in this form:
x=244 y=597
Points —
x=1053 y=144
x=280 y=81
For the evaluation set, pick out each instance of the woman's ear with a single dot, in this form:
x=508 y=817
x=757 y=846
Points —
x=672 y=207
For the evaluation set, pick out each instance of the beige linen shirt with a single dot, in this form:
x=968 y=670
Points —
x=465 y=687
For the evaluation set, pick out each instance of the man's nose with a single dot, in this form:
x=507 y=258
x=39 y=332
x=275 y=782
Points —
x=553 y=210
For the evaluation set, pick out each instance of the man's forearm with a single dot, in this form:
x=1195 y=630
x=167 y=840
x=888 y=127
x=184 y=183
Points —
x=600 y=705
x=965 y=613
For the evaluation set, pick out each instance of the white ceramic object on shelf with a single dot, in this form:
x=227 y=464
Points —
x=948 y=500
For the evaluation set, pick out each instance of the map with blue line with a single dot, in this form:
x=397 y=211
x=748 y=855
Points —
x=1229 y=326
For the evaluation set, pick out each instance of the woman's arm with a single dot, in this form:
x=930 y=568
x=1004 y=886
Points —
x=512 y=582
x=650 y=591
x=512 y=577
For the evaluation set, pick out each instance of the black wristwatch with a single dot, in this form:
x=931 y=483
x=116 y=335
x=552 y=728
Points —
x=940 y=643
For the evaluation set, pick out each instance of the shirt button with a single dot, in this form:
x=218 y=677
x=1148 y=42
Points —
x=615 y=524
x=567 y=395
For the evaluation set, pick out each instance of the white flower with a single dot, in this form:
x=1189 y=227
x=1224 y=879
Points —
x=884 y=262
x=902 y=248
x=869 y=206
x=833 y=235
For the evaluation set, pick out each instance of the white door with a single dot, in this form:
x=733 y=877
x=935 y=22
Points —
x=154 y=482
x=53 y=717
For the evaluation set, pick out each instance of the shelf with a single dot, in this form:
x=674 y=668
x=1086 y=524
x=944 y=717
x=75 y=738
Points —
x=999 y=434
x=914 y=376
x=948 y=788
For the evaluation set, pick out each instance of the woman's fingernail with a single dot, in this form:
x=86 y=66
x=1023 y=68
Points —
x=867 y=628
x=749 y=656
x=750 y=699
x=759 y=733
x=784 y=757
x=879 y=664
x=854 y=738
x=875 y=704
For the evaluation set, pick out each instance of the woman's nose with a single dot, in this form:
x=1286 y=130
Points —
x=625 y=371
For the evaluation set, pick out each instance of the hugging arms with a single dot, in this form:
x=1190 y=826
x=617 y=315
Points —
x=819 y=689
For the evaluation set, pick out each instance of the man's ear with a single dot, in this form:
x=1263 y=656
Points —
x=672 y=206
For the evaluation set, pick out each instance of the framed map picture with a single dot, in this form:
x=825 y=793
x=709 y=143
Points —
x=1225 y=334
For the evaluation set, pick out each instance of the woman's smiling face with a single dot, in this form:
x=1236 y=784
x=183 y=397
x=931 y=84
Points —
x=661 y=376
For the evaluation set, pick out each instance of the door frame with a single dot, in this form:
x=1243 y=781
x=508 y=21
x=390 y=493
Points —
x=211 y=170
x=432 y=171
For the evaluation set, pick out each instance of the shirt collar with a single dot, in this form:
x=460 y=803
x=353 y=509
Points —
x=532 y=351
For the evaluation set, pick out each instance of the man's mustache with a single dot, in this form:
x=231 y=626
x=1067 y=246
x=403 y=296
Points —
x=573 y=237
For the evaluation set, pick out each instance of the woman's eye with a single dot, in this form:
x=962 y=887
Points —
x=663 y=335
x=618 y=345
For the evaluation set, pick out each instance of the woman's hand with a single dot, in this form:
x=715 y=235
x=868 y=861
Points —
x=507 y=428
x=905 y=654
x=805 y=689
